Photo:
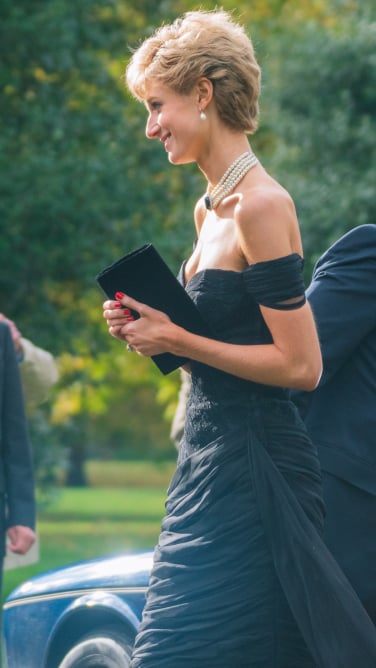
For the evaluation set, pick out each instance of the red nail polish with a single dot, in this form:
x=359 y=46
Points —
x=117 y=305
x=127 y=311
x=130 y=318
x=119 y=295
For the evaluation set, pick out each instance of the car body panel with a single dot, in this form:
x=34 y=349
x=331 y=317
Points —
x=46 y=615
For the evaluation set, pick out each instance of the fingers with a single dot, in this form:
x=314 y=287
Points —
x=129 y=302
x=116 y=314
x=115 y=308
x=143 y=334
x=117 y=317
x=123 y=301
x=15 y=332
x=21 y=539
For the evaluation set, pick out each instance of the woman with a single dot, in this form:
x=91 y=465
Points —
x=241 y=576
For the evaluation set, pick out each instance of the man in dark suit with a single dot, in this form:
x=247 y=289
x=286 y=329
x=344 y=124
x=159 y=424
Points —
x=341 y=413
x=17 y=503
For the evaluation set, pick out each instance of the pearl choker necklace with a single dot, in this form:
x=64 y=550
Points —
x=230 y=179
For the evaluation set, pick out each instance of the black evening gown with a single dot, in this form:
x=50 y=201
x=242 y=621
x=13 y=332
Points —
x=241 y=576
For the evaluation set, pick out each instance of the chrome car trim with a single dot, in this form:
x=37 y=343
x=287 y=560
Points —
x=72 y=594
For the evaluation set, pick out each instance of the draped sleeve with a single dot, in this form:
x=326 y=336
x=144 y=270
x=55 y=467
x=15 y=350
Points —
x=277 y=283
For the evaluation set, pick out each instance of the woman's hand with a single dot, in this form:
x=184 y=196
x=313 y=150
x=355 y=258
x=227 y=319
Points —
x=150 y=334
x=117 y=316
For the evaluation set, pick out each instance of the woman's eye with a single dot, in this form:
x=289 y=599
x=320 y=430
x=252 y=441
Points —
x=155 y=106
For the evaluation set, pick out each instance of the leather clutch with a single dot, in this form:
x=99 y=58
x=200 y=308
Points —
x=144 y=275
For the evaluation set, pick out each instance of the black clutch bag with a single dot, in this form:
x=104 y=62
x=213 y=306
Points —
x=144 y=275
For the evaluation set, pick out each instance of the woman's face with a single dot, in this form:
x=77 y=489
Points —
x=175 y=120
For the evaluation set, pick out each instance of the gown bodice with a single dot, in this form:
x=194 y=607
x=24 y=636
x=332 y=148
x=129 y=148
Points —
x=229 y=301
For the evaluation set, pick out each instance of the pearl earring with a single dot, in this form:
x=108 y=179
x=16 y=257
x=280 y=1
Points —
x=203 y=115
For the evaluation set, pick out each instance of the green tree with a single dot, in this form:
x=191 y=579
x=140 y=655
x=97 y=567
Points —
x=79 y=186
x=78 y=183
x=324 y=105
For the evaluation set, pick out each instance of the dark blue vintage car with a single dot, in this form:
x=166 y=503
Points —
x=79 y=616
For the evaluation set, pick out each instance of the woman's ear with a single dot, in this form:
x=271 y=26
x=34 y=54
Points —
x=204 y=89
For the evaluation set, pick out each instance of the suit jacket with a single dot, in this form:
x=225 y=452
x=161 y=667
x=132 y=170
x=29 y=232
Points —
x=17 y=502
x=341 y=413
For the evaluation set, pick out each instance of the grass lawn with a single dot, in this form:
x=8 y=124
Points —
x=102 y=519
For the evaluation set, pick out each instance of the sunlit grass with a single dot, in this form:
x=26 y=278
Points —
x=81 y=523
x=105 y=503
x=129 y=474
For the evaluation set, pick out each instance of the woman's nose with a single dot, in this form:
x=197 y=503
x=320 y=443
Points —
x=152 y=128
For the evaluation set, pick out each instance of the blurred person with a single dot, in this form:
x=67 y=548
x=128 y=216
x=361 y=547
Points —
x=17 y=501
x=38 y=368
x=39 y=372
x=241 y=575
x=341 y=413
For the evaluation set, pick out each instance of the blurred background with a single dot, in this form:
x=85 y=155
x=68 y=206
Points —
x=80 y=186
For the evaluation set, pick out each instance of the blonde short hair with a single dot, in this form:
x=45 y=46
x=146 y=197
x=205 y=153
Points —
x=202 y=44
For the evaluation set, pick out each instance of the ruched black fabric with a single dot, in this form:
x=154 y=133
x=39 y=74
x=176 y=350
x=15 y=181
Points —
x=241 y=577
x=272 y=283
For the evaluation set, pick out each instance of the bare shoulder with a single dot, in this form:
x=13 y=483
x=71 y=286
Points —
x=264 y=200
x=267 y=223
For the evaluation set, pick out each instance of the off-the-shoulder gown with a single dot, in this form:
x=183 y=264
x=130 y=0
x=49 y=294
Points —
x=241 y=577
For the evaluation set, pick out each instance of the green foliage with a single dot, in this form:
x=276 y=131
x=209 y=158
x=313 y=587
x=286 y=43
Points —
x=80 y=186
x=325 y=106
x=109 y=404
x=74 y=190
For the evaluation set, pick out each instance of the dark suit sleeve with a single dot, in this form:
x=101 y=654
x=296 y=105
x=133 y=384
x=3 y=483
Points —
x=16 y=451
x=342 y=295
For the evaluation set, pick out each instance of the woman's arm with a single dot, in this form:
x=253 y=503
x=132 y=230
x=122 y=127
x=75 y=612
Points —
x=292 y=360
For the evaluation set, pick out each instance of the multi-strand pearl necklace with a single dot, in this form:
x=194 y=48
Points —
x=230 y=179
